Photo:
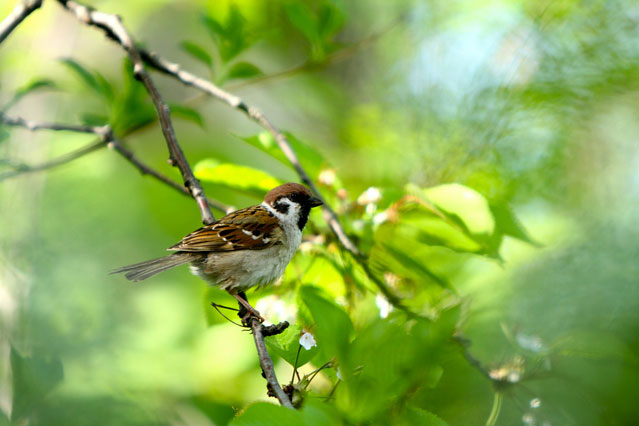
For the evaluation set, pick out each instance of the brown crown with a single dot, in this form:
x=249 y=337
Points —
x=286 y=190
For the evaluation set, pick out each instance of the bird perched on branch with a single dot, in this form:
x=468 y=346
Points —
x=246 y=248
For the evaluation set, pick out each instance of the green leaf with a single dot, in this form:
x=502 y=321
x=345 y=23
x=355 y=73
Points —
x=243 y=178
x=395 y=259
x=132 y=107
x=309 y=157
x=316 y=413
x=106 y=89
x=450 y=215
x=414 y=416
x=187 y=113
x=231 y=37
x=33 y=378
x=265 y=414
x=242 y=70
x=467 y=206
x=330 y=20
x=85 y=75
x=303 y=19
x=389 y=359
x=214 y=28
x=197 y=51
x=508 y=224
x=30 y=87
x=333 y=326
x=287 y=346
x=91 y=119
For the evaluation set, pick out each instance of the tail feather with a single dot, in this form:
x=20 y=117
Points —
x=143 y=270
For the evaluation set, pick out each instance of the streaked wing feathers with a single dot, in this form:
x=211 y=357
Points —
x=252 y=228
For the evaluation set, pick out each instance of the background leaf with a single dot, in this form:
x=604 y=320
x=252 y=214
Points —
x=243 y=178
x=187 y=113
x=333 y=326
x=197 y=51
x=265 y=414
x=33 y=378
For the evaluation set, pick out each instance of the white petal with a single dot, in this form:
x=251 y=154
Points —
x=307 y=341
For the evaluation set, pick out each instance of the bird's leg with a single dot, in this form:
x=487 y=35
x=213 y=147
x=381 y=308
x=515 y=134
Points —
x=246 y=310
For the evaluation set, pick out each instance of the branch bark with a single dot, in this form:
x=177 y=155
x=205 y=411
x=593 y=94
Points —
x=113 y=28
x=17 y=15
x=267 y=363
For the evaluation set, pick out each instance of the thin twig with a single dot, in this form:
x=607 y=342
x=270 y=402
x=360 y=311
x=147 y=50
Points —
x=267 y=363
x=33 y=125
x=465 y=345
x=17 y=15
x=63 y=159
x=106 y=138
x=113 y=28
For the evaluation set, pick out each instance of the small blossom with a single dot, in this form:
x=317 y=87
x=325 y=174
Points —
x=276 y=308
x=535 y=403
x=338 y=373
x=530 y=342
x=528 y=419
x=380 y=218
x=342 y=194
x=370 y=196
x=307 y=341
x=384 y=307
x=327 y=177
x=391 y=279
x=306 y=247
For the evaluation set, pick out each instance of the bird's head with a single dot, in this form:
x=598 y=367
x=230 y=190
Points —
x=292 y=203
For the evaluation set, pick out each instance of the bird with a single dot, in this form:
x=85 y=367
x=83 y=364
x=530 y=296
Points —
x=250 y=247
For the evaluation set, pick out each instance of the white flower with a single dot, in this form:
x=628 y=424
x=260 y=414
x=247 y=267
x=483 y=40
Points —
x=327 y=177
x=370 y=196
x=338 y=373
x=380 y=218
x=307 y=341
x=384 y=307
x=530 y=342
x=275 y=308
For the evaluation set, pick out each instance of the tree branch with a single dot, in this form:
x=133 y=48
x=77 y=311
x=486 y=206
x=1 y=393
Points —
x=63 y=159
x=17 y=15
x=257 y=116
x=266 y=362
x=106 y=138
x=113 y=28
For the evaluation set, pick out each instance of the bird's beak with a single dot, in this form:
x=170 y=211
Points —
x=314 y=202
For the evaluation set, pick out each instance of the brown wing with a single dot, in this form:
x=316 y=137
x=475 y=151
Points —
x=252 y=228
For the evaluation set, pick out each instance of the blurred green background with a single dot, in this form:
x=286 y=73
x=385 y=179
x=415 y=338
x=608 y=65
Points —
x=484 y=154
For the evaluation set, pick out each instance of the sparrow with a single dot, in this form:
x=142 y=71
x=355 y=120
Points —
x=246 y=248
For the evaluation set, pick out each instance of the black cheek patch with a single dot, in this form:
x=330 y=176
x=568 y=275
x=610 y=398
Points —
x=281 y=207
